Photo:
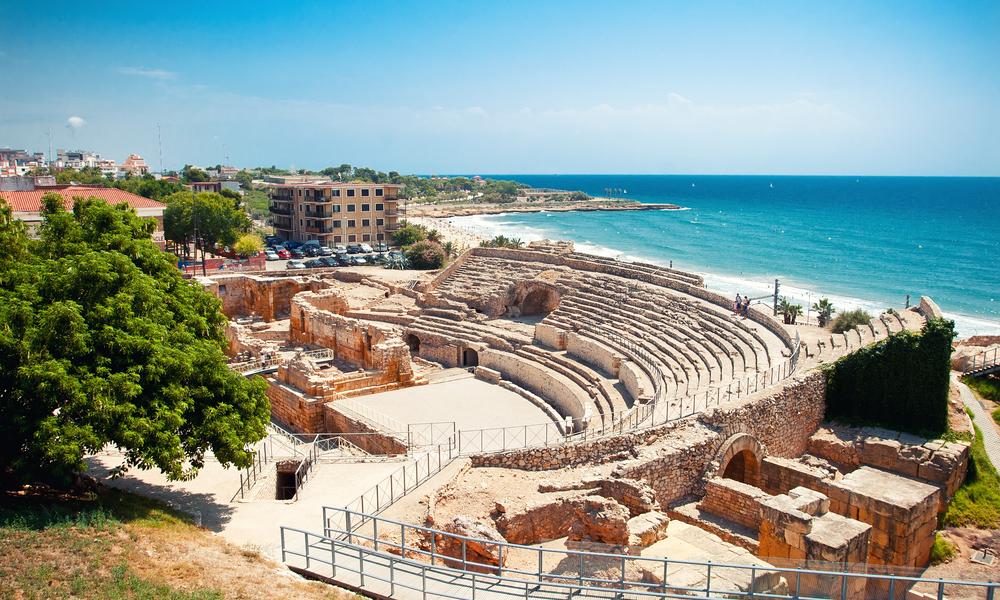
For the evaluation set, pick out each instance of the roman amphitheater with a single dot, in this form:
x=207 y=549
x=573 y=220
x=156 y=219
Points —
x=546 y=423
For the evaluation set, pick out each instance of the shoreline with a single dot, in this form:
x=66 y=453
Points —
x=415 y=210
x=465 y=236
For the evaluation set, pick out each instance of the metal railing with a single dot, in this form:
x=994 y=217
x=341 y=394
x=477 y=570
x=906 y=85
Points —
x=985 y=360
x=369 y=416
x=388 y=554
x=250 y=475
x=261 y=364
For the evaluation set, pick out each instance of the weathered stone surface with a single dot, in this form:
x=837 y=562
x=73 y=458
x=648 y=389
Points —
x=600 y=519
x=647 y=529
x=484 y=548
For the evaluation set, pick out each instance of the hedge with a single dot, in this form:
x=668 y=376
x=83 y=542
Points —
x=900 y=383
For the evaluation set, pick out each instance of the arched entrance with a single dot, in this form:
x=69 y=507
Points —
x=539 y=301
x=412 y=342
x=739 y=459
x=470 y=358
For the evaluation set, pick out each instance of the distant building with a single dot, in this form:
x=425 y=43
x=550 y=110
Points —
x=335 y=213
x=213 y=186
x=15 y=162
x=27 y=205
x=134 y=165
x=76 y=159
x=297 y=179
x=25 y=183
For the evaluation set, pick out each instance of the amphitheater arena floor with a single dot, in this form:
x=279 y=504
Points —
x=469 y=402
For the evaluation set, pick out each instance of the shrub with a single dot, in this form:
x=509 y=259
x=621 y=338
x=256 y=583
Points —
x=846 y=321
x=425 y=255
x=987 y=387
x=942 y=550
x=901 y=382
x=977 y=502
x=248 y=245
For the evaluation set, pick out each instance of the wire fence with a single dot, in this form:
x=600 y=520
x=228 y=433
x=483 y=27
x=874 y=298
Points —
x=448 y=565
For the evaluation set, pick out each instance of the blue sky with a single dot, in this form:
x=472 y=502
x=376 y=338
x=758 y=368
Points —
x=907 y=88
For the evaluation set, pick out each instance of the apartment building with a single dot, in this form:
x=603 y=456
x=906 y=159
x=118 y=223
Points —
x=335 y=213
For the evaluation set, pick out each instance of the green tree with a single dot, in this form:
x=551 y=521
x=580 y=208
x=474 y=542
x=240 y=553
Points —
x=409 y=234
x=102 y=341
x=192 y=174
x=206 y=219
x=824 y=311
x=502 y=241
x=248 y=245
x=425 y=255
x=245 y=179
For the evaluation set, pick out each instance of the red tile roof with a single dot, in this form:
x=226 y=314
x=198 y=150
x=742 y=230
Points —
x=31 y=202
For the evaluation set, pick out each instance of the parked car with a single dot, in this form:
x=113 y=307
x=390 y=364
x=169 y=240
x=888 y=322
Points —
x=284 y=254
x=295 y=264
x=297 y=253
x=324 y=251
x=270 y=255
x=354 y=249
x=310 y=250
x=329 y=261
x=358 y=261
x=272 y=240
x=381 y=247
x=314 y=263
x=290 y=244
x=343 y=260
x=365 y=248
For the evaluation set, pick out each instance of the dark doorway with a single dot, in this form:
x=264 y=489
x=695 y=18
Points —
x=540 y=301
x=470 y=358
x=742 y=467
x=413 y=342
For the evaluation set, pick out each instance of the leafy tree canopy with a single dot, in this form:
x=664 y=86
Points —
x=102 y=341
x=248 y=245
x=192 y=174
x=425 y=255
x=409 y=234
x=218 y=219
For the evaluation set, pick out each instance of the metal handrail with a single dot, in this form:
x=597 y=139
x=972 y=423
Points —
x=985 y=363
x=349 y=537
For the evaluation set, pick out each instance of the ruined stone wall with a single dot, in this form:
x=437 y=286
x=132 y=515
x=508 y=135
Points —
x=734 y=500
x=566 y=397
x=636 y=381
x=246 y=295
x=550 y=336
x=294 y=410
x=781 y=475
x=592 y=353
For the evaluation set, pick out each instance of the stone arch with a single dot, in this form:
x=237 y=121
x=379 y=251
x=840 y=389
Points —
x=535 y=298
x=412 y=342
x=470 y=357
x=739 y=459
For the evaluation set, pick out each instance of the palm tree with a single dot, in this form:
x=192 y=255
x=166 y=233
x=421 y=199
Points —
x=434 y=235
x=450 y=251
x=824 y=311
x=794 y=311
x=783 y=307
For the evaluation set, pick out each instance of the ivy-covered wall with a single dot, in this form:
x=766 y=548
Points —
x=900 y=383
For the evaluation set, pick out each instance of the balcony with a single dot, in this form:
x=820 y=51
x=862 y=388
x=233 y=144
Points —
x=317 y=215
x=318 y=229
x=279 y=210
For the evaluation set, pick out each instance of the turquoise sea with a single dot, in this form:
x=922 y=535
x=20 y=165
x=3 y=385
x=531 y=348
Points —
x=861 y=241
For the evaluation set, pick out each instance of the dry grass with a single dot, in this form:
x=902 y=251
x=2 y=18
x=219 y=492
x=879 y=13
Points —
x=117 y=546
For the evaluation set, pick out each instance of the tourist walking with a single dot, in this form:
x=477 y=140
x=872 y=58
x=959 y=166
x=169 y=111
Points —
x=746 y=307
x=737 y=304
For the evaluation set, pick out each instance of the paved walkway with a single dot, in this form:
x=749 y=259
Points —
x=984 y=420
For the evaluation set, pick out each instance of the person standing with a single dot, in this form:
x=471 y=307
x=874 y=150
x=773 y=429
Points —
x=737 y=304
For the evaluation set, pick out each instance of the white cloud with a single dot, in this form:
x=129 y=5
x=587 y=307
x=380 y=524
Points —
x=75 y=122
x=158 y=74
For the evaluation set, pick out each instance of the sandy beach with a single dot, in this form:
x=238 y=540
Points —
x=462 y=237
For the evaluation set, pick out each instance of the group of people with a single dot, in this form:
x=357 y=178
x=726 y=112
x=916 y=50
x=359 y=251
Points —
x=741 y=306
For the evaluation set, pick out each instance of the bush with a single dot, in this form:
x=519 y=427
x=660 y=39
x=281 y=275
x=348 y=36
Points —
x=900 y=383
x=846 y=321
x=248 y=245
x=942 y=550
x=425 y=255
x=987 y=387
x=977 y=502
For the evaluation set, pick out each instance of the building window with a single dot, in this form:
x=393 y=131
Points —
x=300 y=222
x=350 y=193
x=352 y=223
x=380 y=222
x=336 y=208
x=366 y=222
x=222 y=290
x=366 y=207
x=366 y=238
x=336 y=224
x=350 y=208
x=378 y=191
x=380 y=237
x=366 y=192
x=352 y=238
x=336 y=193
x=379 y=207
x=338 y=239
